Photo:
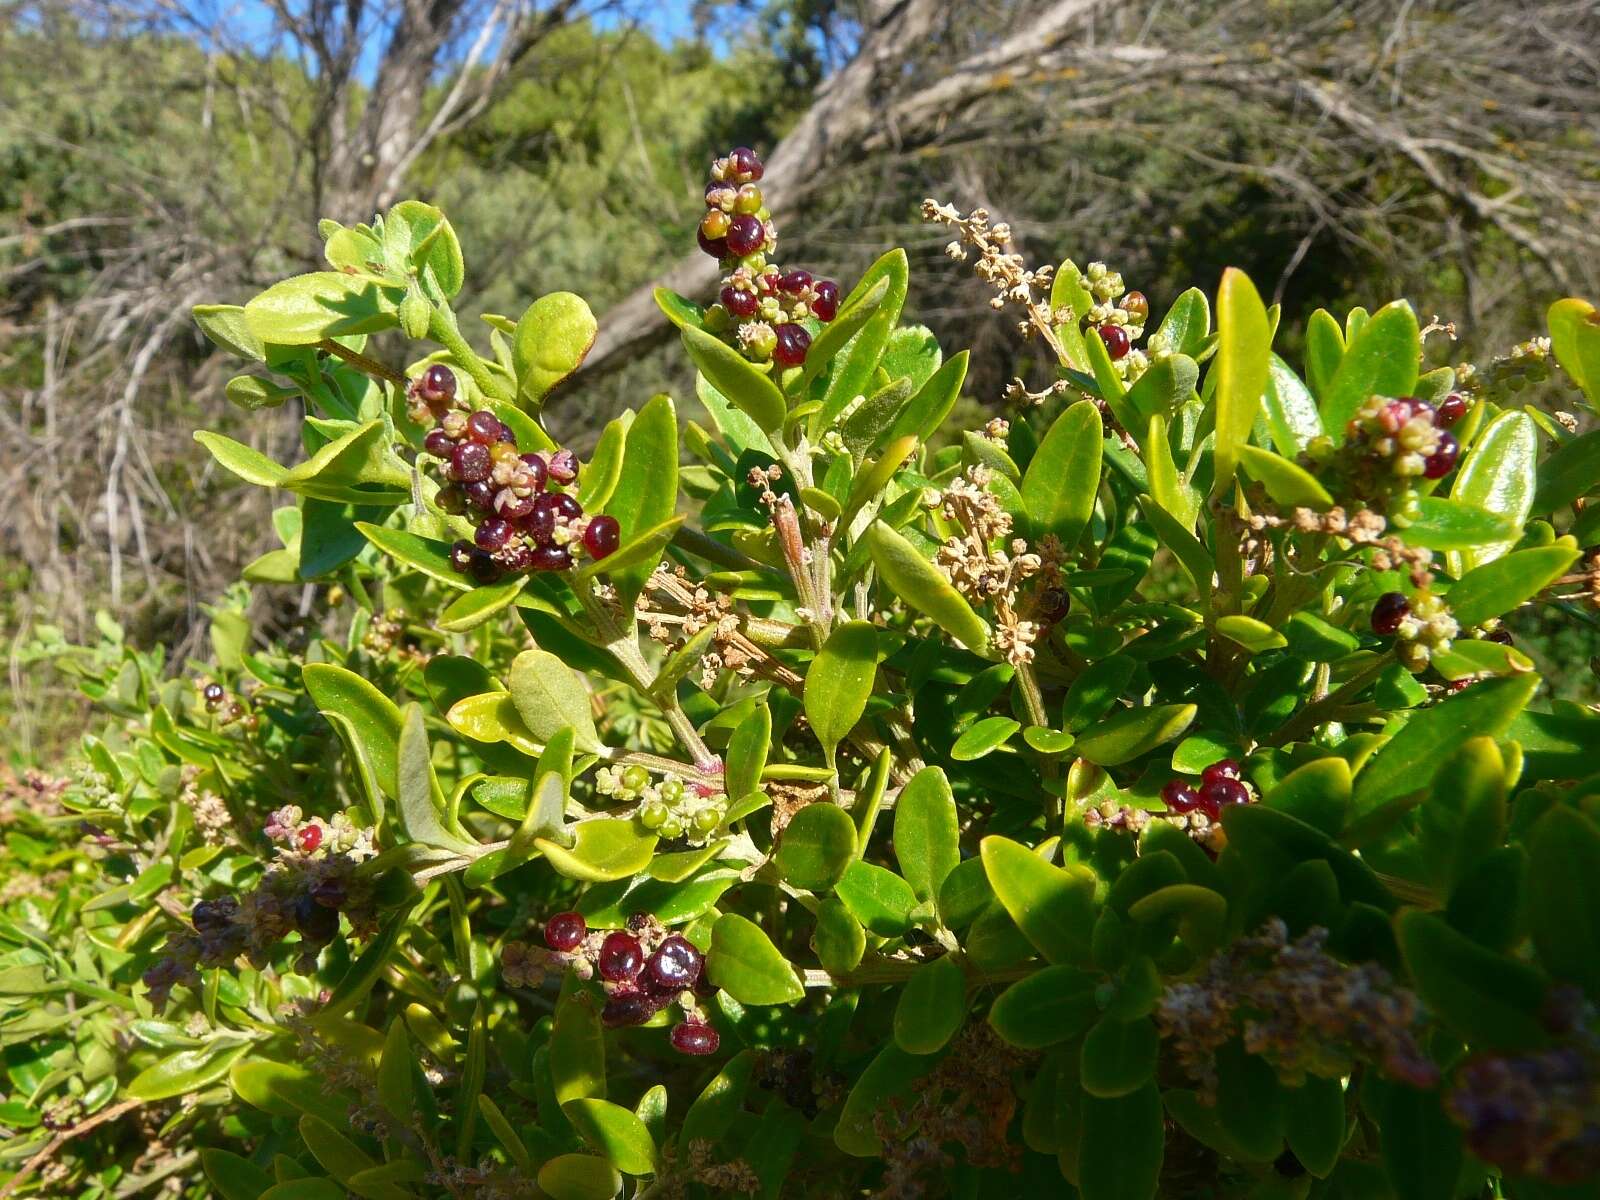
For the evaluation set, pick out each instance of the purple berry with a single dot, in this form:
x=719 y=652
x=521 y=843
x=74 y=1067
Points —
x=746 y=235
x=621 y=958
x=676 y=964
x=517 y=557
x=1388 y=612
x=470 y=462
x=1219 y=793
x=1223 y=768
x=438 y=384
x=493 y=534
x=513 y=507
x=739 y=302
x=1395 y=414
x=627 y=1008
x=484 y=568
x=213 y=693
x=794 y=282
x=601 y=536
x=745 y=163
x=438 y=443
x=1501 y=637
x=1179 y=797
x=1054 y=603
x=317 y=925
x=694 y=1037
x=541 y=523
x=536 y=466
x=715 y=247
x=461 y=556
x=566 y=505
x=1116 y=339
x=1443 y=459
x=551 y=558
x=1452 y=408
x=565 y=930
x=793 y=343
x=479 y=495
x=483 y=426
x=564 y=466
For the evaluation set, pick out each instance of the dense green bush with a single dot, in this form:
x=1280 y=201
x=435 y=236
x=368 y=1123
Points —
x=1139 y=797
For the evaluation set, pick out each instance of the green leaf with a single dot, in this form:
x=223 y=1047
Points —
x=1314 y=1123
x=305 y=1189
x=225 y=326
x=1244 y=353
x=1407 y=762
x=551 y=342
x=395 y=1084
x=249 y=465
x=579 y=1177
x=1564 y=895
x=1288 y=483
x=1047 y=1007
x=927 y=836
x=748 y=388
x=550 y=696
x=1421 y=1145
x=1499 y=475
x=1324 y=351
x=926 y=411
x=889 y=1075
x=577 y=1051
x=1382 y=360
x=367 y=716
x=360 y=465
x=920 y=584
x=364 y=972
x=1255 y=636
x=635 y=559
x=304 y=309
x=877 y=897
x=647 y=491
x=1121 y=1146
x=1133 y=731
x=1488 y=998
x=717 y=1107
x=680 y=310
x=1166 y=385
x=419 y=791
x=746 y=756
x=1292 y=416
x=1187 y=324
x=839 y=682
x=603 y=471
x=1054 y=908
x=185 y=1071
x=1059 y=489
x=839 y=939
x=1573 y=470
x=615 y=1132
x=1502 y=584
x=471 y=609
x=234 y=1178
x=932 y=1007
x=1185 y=547
x=816 y=847
x=745 y=964
x=1455 y=525
x=983 y=737
x=851 y=345
x=1119 y=1056
x=606 y=848
x=1575 y=339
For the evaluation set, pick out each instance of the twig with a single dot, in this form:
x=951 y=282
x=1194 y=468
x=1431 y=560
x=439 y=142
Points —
x=61 y=1139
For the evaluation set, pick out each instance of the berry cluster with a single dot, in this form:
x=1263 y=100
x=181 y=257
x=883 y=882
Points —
x=764 y=306
x=643 y=969
x=228 y=710
x=1507 y=374
x=1221 y=784
x=523 y=522
x=1390 y=444
x=670 y=808
x=1420 y=626
x=1118 y=316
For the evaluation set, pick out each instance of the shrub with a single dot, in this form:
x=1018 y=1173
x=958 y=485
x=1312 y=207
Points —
x=1137 y=797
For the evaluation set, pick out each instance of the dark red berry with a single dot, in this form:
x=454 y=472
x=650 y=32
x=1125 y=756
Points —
x=675 y=966
x=621 y=957
x=513 y=507
x=1116 y=339
x=317 y=924
x=628 y=1008
x=694 y=1037
x=716 y=247
x=793 y=343
x=1500 y=637
x=438 y=443
x=483 y=426
x=542 y=522
x=746 y=235
x=309 y=837
x=1223 y=768
x=1452 y=408
x=1421 y=408
x=451 y=499
x=479 y=495
x=825 y=300
x=1443 y=459
x=551 y=558
x=213 y=694
x=438 y=384
x=1179 y=797
x=566 y=505
x=1396 y=413
x=564 y=466
x=517 y=557
x=536 y=466
x=1217 y=794
x=470 y=462
x=484 y=568
x=565 y=930
x=739 y=302
x=794 y=282
x=461 y=556
x=745 y=163
x=1388 y=612
x=493 y=534
x=601 y=536
x=1054 y=603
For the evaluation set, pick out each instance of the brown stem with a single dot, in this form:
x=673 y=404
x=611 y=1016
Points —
x=61 y=1139
x=361 y=362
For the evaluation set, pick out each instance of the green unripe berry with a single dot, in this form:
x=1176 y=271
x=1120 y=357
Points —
x=707 y=820
x=654 y=815
x=636 y=779
x=671 y=828
x=672 y=790
x=748 y=199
